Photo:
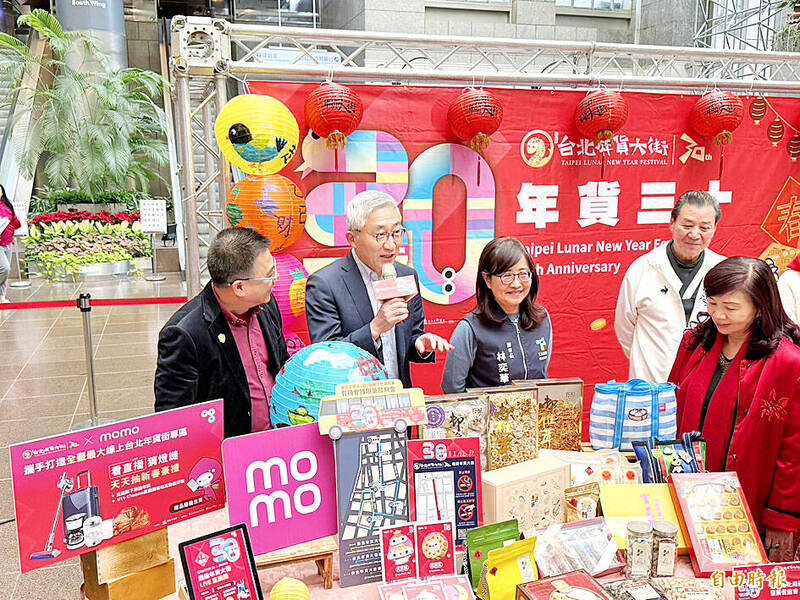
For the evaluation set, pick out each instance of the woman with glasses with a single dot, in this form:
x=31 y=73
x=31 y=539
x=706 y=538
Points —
x=508 y=336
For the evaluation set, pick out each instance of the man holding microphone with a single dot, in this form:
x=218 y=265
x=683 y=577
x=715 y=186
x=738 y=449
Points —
x=342 y=302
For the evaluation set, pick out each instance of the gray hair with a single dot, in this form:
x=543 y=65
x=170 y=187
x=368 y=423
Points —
x=233 y=254
x=362 y=205
x=699 y=199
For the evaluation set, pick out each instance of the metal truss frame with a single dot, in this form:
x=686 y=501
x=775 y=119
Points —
x=737 y=24
x=209 y=53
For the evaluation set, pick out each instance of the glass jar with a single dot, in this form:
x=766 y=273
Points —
x=665 y=548
x=640 y=550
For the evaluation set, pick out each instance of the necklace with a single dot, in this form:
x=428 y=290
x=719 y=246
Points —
x=724 y=361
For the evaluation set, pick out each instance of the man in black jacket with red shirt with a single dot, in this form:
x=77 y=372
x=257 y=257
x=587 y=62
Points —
x=227 y=342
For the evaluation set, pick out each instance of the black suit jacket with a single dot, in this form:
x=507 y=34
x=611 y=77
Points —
x=338 y=308
x=196 y=365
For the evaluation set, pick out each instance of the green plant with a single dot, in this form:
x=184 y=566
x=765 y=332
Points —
x=94 y=131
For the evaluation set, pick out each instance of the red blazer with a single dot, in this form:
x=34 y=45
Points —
x=752 y=425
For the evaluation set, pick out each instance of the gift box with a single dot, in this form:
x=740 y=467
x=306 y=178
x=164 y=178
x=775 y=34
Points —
x=459 y=415
x=513 y=430
x=577 y=585
x=560 y=406
x=532 y=492
x=715 y=518
x=649 y=502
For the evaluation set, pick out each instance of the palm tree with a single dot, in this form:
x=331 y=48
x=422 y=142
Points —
x=94 y=127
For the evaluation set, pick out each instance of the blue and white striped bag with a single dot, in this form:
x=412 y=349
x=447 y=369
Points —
x=623 y=413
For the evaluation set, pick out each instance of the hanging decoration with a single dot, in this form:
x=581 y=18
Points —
x=272 y=205
x=333 y=112
x=717 y=114
x=290 y=288
x=474 y=116
x=257 y=134
x=758 y=109
x=600 y=115
x=775 y=131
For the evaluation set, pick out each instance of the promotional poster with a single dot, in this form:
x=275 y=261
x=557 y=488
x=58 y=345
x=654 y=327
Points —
x=540 y=181
x=81 y=491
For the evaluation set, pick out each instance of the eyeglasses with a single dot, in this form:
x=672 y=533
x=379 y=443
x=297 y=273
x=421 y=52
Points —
x=507 y=278
x=397 y=235
x=264 y=279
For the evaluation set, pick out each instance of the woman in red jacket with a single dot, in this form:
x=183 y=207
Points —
x=738 y=378
x=8 y=224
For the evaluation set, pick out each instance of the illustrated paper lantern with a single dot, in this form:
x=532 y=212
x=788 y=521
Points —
x=758 y=109
x=257 y=133
x=473 y=117
x=717 y=114
x=273 y=205
x=600 y=115
x=288 y=588
x=775 y=131
x=290 y=288
x=314 y=372
x=793 y=147
x=333 y=112
x=294 y=343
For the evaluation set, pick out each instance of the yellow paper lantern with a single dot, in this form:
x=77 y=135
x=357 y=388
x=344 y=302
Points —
x=289 y=589
x=272 y=205
x=257 y=134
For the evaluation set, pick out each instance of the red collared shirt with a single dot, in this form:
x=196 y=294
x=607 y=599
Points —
x=253 y=351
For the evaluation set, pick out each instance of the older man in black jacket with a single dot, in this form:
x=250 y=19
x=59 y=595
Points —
x=227 y=342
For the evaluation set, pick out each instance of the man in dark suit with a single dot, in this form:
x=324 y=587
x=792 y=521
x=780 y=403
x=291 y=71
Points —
x=340 y=301
x=227 y=342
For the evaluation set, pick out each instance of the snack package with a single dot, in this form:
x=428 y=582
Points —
x=582 y=502
x=635 y=590
x=507 y=567
x=682 y=588
x=481 y=540
x=603 y=466
x=560 y=407
x=513 y=430
x=586 y=545
x=459 y=415
x=575 y=585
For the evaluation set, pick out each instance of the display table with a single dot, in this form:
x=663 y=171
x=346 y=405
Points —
x=307 y=571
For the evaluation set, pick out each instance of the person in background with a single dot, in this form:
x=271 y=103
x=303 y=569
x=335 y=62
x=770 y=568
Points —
x=9 y=223
x=789 y=289
x=341 y=303
x=661 y=293
x=227 y=342
x=508 y=336
x=737 y=374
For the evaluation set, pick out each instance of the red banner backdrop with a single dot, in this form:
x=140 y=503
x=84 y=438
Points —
x=540 y=181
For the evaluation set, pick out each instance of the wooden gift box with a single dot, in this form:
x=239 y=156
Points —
x=531 y=492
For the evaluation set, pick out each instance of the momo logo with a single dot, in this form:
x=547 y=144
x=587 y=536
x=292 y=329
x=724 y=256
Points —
x=119 y=433
x=270 y=499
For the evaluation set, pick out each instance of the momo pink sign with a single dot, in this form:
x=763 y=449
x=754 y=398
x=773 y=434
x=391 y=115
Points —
x=281 y=484
x=80 y=491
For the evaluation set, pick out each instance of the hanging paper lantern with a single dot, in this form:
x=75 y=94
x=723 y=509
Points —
x=473 y=117
x=758 y=109
x=333 y=111
x=290 y=288
x=257 y=133
x=599 y=115
x=272 y=205
x=775 y=131
x=289 y=589
x=793 y=147
x=717 y=114
x=294 y=343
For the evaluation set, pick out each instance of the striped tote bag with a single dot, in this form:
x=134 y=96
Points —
x=638 y=410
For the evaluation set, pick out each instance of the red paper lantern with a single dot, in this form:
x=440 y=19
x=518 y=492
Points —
x=333 y=111
x=473 y=117
x=599 y=115
x=272 y=205
x=717 y=114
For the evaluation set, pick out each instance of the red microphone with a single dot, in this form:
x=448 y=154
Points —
x=391 y=286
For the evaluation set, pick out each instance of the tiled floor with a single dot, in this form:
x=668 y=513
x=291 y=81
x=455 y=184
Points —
x=43 y=390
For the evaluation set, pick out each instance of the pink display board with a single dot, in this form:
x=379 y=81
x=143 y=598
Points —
x=281 y=484
x=220 y=566
x=77 y=492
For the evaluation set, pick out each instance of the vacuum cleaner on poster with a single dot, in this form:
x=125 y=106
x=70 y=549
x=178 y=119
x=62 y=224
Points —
x=112 y=483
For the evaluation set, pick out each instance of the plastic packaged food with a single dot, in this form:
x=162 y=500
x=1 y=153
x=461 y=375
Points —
x=640 y=550
x=665 y=548
x=586 y=545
